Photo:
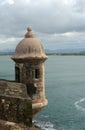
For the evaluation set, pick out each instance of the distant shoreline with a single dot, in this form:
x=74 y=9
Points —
x=57 y=54
x=66 y=54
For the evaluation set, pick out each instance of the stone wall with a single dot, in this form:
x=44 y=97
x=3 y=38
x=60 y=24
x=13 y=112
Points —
x=15 y=104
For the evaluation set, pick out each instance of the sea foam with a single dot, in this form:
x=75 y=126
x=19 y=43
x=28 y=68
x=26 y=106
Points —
x=78 y=106
x=44 y=125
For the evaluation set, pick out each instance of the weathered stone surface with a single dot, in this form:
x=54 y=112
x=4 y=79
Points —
x=15 y=105
x=13 y=89
x=4 y=125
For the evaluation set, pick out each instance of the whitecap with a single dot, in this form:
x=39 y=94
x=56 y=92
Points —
x=44 y=125
x=83 y=99
x=78 y=106
x=45 y=116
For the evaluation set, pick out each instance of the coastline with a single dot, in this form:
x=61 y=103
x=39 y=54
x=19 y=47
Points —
x=57 y=54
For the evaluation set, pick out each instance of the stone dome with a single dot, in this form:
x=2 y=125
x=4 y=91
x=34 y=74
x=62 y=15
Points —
x=29 y=48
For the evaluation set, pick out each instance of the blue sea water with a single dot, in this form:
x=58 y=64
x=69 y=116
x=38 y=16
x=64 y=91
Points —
x=65 y=91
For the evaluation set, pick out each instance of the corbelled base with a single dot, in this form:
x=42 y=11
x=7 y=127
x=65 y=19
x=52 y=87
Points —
x=37 y=107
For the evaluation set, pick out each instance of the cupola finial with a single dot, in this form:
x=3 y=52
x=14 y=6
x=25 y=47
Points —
x=29 y=28
x=29 y=33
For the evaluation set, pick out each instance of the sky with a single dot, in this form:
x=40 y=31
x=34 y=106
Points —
x=58 y=24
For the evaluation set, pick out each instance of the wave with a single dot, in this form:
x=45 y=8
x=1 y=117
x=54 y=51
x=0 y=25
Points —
x=44 y=116
x=44 y=125
x=78 y=106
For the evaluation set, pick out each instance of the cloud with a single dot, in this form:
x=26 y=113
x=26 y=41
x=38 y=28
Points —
x=46 y=16
x=28 y=1
x=61 y=19
x=79 y=6
x=7 y=2
x=8 y=43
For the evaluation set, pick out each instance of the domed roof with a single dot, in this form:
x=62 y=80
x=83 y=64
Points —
x=29 y=48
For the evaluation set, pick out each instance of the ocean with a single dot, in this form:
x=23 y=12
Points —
x=65 y=91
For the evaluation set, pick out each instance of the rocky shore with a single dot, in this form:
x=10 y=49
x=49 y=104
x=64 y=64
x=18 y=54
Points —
x=5 y=125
